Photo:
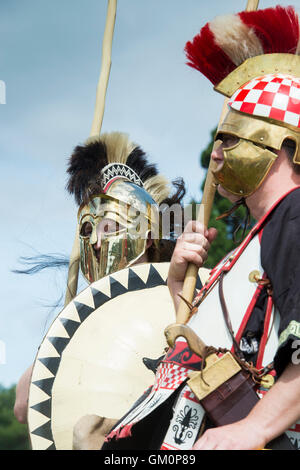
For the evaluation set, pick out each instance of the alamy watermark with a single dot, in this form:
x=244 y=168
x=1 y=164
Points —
x=2 y=92
x=163 y=222
x=2 y=353
x=296 y=354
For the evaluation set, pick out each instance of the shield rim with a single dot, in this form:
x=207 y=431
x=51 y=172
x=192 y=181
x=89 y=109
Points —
x=135 y=283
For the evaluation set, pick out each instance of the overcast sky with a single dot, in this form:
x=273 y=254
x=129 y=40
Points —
x=50 y=62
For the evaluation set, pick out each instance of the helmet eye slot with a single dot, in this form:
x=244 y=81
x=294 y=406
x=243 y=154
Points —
x=86 y=230
x=228 y=140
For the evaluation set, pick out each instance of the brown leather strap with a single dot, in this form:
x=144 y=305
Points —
x=242 y=225
x=237 y=350
x=233 y=208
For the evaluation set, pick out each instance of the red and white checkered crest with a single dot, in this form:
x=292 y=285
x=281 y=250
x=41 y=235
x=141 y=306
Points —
x=274 y=96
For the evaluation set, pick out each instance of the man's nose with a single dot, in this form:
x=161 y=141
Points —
x=217 y=152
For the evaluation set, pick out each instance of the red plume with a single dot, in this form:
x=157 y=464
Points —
x=276 y=30
x=205 y=55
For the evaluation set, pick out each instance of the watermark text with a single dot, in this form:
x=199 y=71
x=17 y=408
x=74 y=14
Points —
x=2 y=353
x=2 y=92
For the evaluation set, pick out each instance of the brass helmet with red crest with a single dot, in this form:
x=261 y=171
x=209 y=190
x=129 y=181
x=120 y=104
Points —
x=253 y=59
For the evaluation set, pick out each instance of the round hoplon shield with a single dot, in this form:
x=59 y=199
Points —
x=91 y=359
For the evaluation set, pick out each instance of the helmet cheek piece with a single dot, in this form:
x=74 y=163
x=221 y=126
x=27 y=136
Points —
x=247 y=163
x=89 y=263
x=245 y=167
x=119 y=251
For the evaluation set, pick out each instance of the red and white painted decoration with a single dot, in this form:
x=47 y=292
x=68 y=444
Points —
x=274 y=96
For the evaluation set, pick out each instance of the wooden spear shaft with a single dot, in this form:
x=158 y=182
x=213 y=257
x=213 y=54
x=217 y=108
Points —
x=105 y=68
x=95 y=131
x=209 y=191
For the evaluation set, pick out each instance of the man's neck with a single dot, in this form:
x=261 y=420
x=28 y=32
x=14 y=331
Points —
x=264 y=198
x=280 y=180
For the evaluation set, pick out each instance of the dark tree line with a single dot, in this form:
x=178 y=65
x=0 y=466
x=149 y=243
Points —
x=13 y=435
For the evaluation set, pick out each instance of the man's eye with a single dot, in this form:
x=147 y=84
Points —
x=86 y=229
x=227 y=140
x=230 y=141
